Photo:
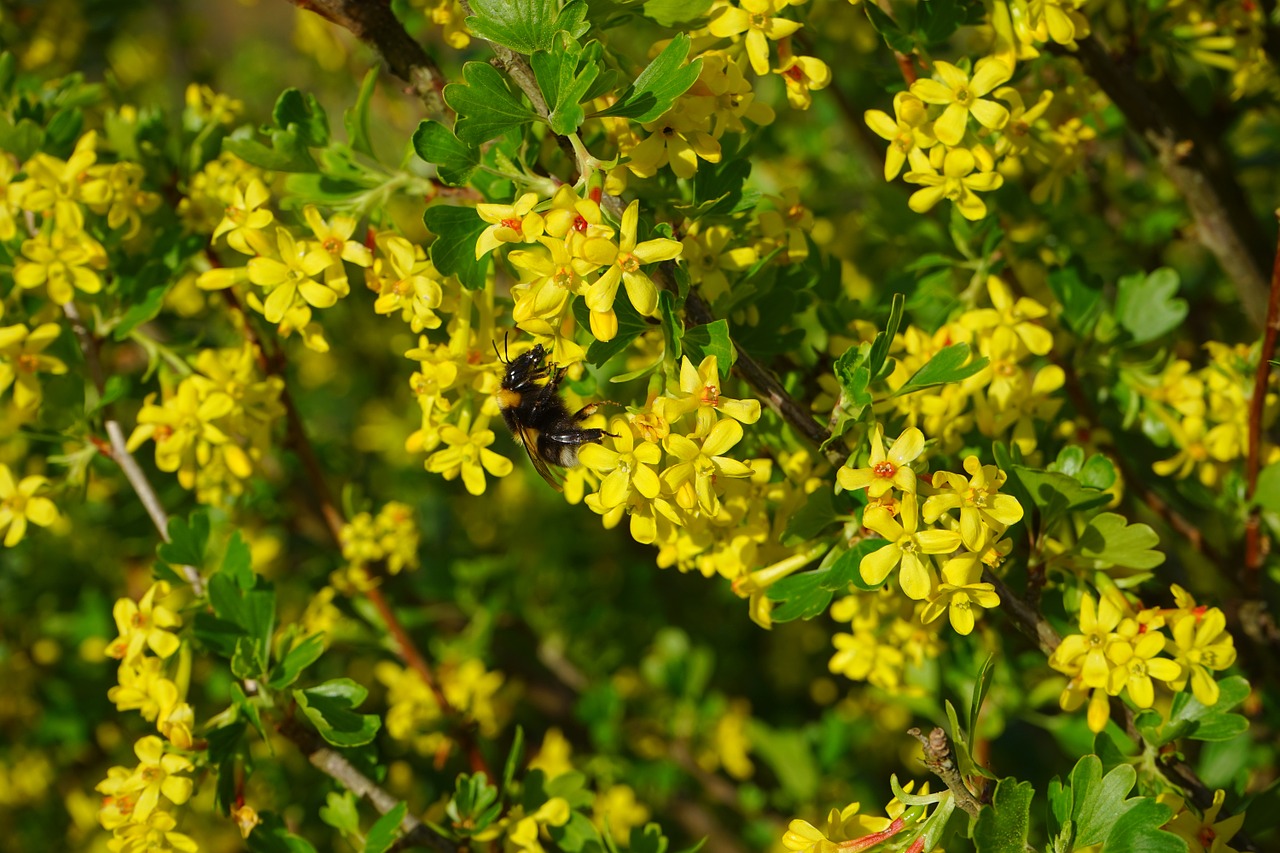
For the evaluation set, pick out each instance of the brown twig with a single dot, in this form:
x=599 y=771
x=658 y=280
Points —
x=937 y=757
x=91 y=347
x=333 y=764
x=1197 y=165
x=1254 y=551
x=373 y=22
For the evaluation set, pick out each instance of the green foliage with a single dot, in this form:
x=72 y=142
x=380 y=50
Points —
x=1003 y=827
x=330 y=708
x=486 y=106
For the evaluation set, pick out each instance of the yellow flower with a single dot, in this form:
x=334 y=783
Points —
x=626 y=468
x=553 y=756
x=20 y=504
x=510 y=223
x=802 y=76
x=907 y=135
x=693 y=478
x=156 y=776
x=22 y=357
x=63 y=265
x=1021 y=316
x=618 y=809
x=957 y=183
x=293 y=276
x=1207 y=834
x=143 y=688
x=245 y=217
x=116 y=190
x=625 y=268
x=708 y=257
x=406 y=281
x=678 y=138
x=700 y=392
x=554 y=277
x=906 y=544
x=1202 y=645
x=963 y=96
x=1097 y=653
x=886 y=470
x=468 y=454
x=146 y=623
x=334 y=237
x=54 y=185
x=982 y=507
x=1144 y=666
x=960 y=593
x=758 y=19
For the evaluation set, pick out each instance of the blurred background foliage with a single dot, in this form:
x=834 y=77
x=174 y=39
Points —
x=720 y=729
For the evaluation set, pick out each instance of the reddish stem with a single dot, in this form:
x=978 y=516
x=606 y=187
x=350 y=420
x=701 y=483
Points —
x=1254 y=551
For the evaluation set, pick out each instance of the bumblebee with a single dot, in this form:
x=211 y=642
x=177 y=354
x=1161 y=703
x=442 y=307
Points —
x=537 y=415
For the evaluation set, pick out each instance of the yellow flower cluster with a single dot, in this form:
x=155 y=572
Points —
x=1119 y=650
x=1005 y=400
x=132 y=807
x=297 y=272
x=21 y=504
x=1205 y=412
x=965 y=518
x=414 y=715
x=212 y=191
x=885 y=636
x=846 y=829
x=390 y=537
x=215 y=426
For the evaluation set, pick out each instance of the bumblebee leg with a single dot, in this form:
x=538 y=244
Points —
x=591 y=408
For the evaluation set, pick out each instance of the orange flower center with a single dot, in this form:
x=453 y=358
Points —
x=333 y=245
x=885 y=469
x=628 y=262
x=28 y=362
x=710 y=395
x=795 y=73
x=580 y=224
x=513 y=224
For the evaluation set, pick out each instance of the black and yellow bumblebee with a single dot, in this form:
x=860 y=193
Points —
x=537 y=415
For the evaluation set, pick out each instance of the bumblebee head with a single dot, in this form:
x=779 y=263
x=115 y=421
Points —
x=525 y=368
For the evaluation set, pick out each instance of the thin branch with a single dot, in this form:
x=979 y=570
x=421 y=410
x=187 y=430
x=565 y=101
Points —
x=333 y=764
x=938 y=758
x=137 y=478
x=1254 y=551
x=1196 y=164
x=373 y=22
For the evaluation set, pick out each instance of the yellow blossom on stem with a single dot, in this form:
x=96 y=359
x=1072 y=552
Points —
x=957 y=183
x=962 y=96
x=625 y=268
x=405 y=281
x=982 y=507
x=1201 y=646
x=145 y=623
x=708 y=257
x=1203 y=834
x=467 y=454
x=693 y=478
x=245 y=217
x=1022 y=316
x=960 y=594
x=155 y=776
x=554 y=277
x=886 y=471
x=1143 y=666
x=22 y=357
x=699 y=392
x=154 y=834
x=20 y=504
x=908 y=137
x=62 y=265
x=509 y=223
x=627 y=468
x=680 y=137
x=803 y=75
x=116 y=190
x=1098 y=652
x=292 y=275
x=143 y=688
x=55 y=185
x=906 y=545
x=334 y=237
x=759 y=20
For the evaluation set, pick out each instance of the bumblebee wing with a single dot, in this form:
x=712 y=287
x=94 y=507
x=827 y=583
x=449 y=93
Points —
x=529 y=439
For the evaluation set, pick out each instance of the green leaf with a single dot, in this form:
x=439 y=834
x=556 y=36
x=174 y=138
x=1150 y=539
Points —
x=1055 y=494
x=947 y=365
x=356 y=118
x=475 y=804
x=454 y=159
x=304 y=115
x=385 y=831
x=980 y=687
x=817 y=513
x=454 y=250
x=1003 y=826
x=187 y=540
x=298 y=658
x=1189 y=717
x=340 y=812
x=1267 y=492
x=1099 y=801
x=527 y=25
x=485 y=104
x=1147 y=307
x=565 y=74
x=237 y=562
x=672 y=328
x=1109 y=540
x=847 y=568
x=140 y=312
x=514 y=757
x=630 y=326
x=879 y=354
x=330 y=708
x=1081 y=302
x=248 y=709
x=711 y=339
x=658 y=86
x=674 y=13
x=651 y=840
x=892 y=34
x=1139 y=830
x=789 y=753
x=801 y=596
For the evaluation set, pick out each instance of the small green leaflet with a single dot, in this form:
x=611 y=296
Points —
x=658 y=86
x=673 y=13
x=454 y=159
x=293 y=110
x=565 y=74
x=1110 y=540
x=454 y=250
x=527 y=25
x=330 y=708
x=711 y=339
x=947 y=365
x=1003 y=826
x=1147 y=306
x=356 y=118
x=385 y=831
x=485 y=104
